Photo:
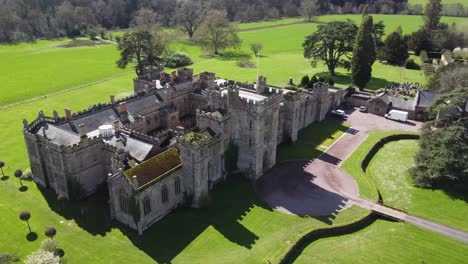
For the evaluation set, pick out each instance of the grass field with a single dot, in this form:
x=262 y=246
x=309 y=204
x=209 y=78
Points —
x=444 y=2
x=312 y=141
x=387 y=242
x=389 y=169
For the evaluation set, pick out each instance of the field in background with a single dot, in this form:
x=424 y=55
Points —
x=444 y=2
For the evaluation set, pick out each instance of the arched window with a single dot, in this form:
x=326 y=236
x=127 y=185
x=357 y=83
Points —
x=124 y=202
x=164 y=194
x=146 y=205
x=177 y=186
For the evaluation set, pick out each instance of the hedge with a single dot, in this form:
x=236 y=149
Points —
x=370 y=155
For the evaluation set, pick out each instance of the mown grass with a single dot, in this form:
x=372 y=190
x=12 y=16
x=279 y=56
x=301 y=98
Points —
x=367 y=186
x=387 y=242
x=389 y=169
x=312 y=141
x=444 y=2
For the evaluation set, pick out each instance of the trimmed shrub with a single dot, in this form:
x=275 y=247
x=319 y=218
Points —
x=178 y=59
x=410 y=64
x=305 y=81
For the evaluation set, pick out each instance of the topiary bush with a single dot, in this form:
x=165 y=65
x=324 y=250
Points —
x=177 y=60
x=410 y=64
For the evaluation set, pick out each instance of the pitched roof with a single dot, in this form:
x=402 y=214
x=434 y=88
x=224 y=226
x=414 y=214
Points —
x=426 y=98
x=155 y=169
x=59 y=136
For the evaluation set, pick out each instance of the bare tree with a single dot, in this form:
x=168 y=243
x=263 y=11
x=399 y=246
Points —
x=145 y=19
x=189 y=16
x=309 y=9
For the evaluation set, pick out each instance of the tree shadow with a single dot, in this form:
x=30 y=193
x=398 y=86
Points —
x=92 y=214
x=345 y=80
x=32 y=236
x=289 y=188
x=231 y=201
x=5 y=178
x=457 y=190
x=60 y=252
x=229 y=55
x=23 y=188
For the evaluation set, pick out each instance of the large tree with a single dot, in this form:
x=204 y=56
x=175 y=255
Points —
x=332 y=43
x=395 y=50
x=432 y=14
x=143 y=48
x=216 y=33
x=145 y=19
x=364 y=54
x=443 y=157
x=309 y=9
x=189 y=16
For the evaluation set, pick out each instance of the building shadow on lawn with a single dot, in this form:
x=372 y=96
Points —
x=230 y=202
x=91 y=214
x=290 y=189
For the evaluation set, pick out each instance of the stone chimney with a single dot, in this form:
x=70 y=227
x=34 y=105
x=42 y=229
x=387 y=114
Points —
x=135 y=182
x=68 y=114
x=162 y=76
x=112 y=98
x=116 y=127
x=82 y=130
x=173 y=77
x=123 y=107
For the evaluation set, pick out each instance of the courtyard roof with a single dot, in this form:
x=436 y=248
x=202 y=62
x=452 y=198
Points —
x=155 y=169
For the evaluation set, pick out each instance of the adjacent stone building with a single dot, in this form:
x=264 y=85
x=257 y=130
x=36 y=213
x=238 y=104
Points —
x=165 y=146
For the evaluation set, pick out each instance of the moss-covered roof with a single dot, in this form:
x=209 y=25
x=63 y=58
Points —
x=155 y=168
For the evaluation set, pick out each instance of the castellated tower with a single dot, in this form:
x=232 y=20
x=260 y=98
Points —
x=201 y=154
x=320 y=90
x=293 y=104
x=254 y=129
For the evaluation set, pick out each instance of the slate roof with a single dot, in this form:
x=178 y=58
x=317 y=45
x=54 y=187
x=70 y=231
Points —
x=155 y=168
x=136 y=107
x=58 y=136
x=397 y=102
x=92 y=121
x=426 y=98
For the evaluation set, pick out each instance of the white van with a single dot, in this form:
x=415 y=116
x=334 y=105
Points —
x=397 y=115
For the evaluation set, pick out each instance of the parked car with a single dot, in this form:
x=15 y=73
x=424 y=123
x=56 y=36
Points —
x=363 y=109
x=397 y=115
x=338 y=113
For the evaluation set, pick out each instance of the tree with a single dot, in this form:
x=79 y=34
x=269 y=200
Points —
x=396 y=51
x=378 y=31
x=332 y=43
x=2 y=164
x=216 y=33
x=364 y=54
x=305 y=81
x=256 y=48
x=145 y=19
x=309 y=9
x=420 y=40
x=189 y=16
x=18 y=174
x=432 y=14
x=142 y=47
x=9 y=22
x=25 y=216
x=50 y=232
x=42 y=257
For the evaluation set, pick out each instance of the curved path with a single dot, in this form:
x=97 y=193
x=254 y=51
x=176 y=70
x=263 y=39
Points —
x=324 y=176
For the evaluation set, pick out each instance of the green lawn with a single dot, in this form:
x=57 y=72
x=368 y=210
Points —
x=389 y=169
x=444 y=2
x=312 y=141
x=387 y=242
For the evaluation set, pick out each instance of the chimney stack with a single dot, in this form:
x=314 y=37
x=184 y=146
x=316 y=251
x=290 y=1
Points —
x=173 y=76
x=81 y=128
x=162 y=76
x=68 y=114
x=116 y=127
x=112 y=100
x=123 y=107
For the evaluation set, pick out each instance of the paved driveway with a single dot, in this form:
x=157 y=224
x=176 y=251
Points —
x=320 y=187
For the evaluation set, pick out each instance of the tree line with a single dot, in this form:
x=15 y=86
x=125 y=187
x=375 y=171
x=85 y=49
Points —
x=25 y=20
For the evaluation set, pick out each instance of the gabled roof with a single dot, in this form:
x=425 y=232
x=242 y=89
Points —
x=58 y=136
x=426 y=98
x=155 y=169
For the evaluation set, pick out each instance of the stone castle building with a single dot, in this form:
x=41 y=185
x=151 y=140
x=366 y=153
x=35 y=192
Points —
x=165 y=146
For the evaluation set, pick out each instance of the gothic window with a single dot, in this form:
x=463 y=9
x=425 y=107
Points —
x=124 y=202
x=146 y=205
x=164 y=194
x=177 y=186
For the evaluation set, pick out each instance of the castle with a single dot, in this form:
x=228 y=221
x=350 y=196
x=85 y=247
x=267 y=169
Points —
x=167 y=145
